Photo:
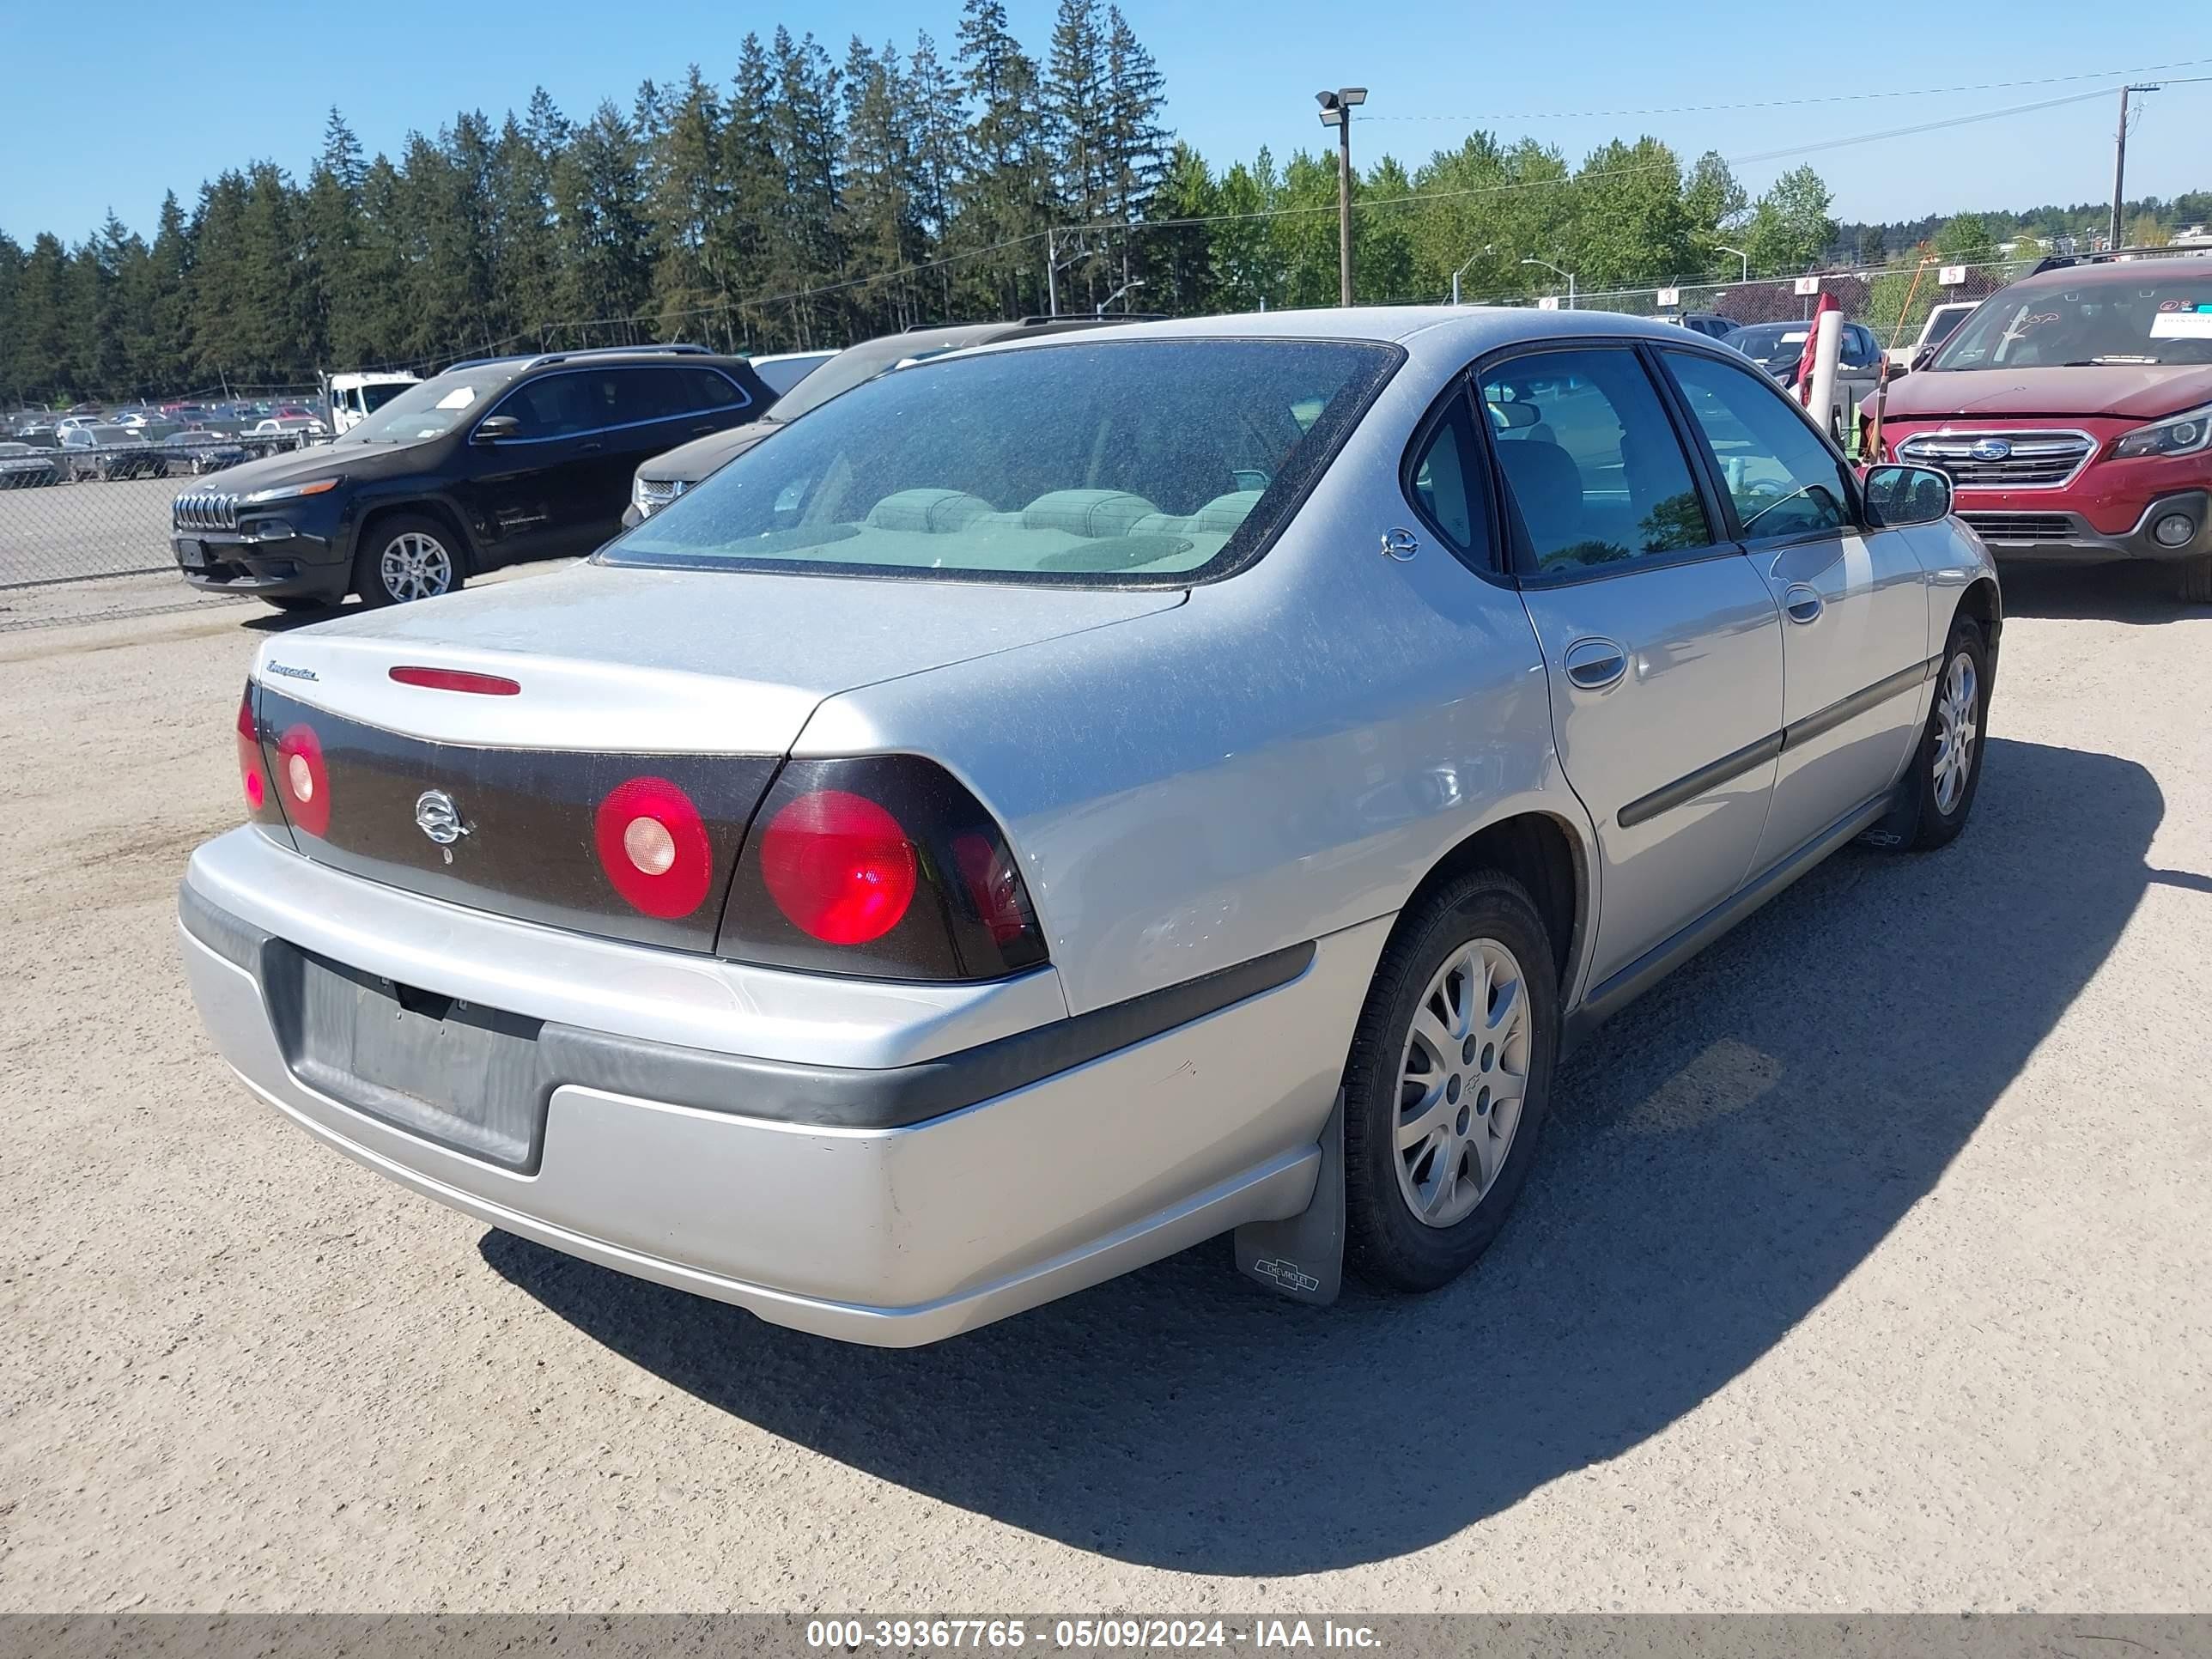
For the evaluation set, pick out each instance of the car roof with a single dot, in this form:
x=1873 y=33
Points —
x=2108 y=271
x=1422 y=331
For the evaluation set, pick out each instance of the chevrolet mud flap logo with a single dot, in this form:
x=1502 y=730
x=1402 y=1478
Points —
x=1288 y=1274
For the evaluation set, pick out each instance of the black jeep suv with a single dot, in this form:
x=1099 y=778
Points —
x=489 y=463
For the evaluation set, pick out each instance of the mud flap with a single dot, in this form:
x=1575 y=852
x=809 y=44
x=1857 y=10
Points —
x=1302 y=1257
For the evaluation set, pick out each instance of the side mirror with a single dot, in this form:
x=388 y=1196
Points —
x=496 y=427
x=1901 y=496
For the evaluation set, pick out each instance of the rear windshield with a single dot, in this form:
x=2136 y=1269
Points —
x=2162 y=319
x=1771 y=345
x=1138 y=462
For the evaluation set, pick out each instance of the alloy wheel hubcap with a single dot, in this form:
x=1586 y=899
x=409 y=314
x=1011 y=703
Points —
x=1956 y=710
x=416 y=567
x=1462 y=1078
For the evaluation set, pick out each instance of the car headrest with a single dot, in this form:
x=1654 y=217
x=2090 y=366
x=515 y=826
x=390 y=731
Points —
x=1548 y=486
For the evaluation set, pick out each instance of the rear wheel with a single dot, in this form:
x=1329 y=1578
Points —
x=1447 y=1082
x=406 y=557
x=2195 y=586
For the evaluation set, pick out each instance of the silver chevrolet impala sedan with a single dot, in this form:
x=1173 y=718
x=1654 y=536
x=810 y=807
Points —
x=1058 y=803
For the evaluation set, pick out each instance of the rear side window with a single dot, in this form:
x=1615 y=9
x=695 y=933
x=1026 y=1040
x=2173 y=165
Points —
x=1782 y=479
x=556 y=406
x=1597 y=475
x=1446 y=481
x=704 y=389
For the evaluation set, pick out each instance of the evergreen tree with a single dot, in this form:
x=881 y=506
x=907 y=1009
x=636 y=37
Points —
x=43 y=364
x=606 y=255
x=1136 y=149
x=1006 y=198
x=936 y=121
x=884 y=233
x=689 y=207
x=1178 y=252
x=1073 y=120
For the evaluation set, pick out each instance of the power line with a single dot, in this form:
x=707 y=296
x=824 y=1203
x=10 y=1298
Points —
x=1796 y=103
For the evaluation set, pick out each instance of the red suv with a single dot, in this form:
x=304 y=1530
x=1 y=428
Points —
x=2073 y=413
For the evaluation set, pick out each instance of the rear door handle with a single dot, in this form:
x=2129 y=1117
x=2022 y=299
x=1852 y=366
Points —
x=1595 y=664
x=1801 y=604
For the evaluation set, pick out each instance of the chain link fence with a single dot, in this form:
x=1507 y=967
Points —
x=83 y=498
x=1887 y=298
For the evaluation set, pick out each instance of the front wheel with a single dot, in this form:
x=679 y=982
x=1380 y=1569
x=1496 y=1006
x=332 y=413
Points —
x=1447 y=1082
x=1947 y=767
x=404 y=558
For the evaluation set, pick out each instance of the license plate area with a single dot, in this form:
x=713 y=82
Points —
x=192 y=555
x=469 y=1078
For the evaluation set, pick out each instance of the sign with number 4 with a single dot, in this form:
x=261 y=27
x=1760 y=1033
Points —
x=1809 y=285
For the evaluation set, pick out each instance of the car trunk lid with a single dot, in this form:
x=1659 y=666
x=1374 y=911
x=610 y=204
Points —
x=492 y=793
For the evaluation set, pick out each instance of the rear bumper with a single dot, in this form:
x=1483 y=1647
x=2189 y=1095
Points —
x=2055 y=536
x=720 y=1172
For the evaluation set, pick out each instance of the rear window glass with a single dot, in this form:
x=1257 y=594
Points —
x=1135 y=462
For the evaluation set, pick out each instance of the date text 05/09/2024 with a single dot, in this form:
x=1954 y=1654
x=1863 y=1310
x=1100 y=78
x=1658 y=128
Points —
x=1082 y=1635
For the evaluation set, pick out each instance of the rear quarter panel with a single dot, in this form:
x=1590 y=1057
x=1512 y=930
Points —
x=1285 y=755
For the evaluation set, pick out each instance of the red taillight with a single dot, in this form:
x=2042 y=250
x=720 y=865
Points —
x=995 y=885
x=653 y=845
x=256 y=783
x=838 y=867
x=303 y=781
x=457 y=679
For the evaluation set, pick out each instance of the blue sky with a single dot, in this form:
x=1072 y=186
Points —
x=111 y=114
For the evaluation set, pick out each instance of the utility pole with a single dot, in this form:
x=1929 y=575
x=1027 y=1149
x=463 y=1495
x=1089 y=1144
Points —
x=2120 y=161
x=1051 y=275
x=1336 y=109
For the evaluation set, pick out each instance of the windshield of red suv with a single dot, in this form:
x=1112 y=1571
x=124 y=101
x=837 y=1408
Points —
x=2166 y=319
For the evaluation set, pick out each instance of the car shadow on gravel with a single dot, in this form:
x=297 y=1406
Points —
x=2141 y=595
x=1718 y=1158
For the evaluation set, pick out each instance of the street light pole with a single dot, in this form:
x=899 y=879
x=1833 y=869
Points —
x=1336 y=109
x=2120 y=160
x=1739 y=254
x=1482 y=253
x=1117 y=294
x=1557 y=271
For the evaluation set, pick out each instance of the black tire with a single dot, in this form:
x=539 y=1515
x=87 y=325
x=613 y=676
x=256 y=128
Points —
x=2195 y=585
x=369 y=565
x=1931 y=823
x=1386 y=1244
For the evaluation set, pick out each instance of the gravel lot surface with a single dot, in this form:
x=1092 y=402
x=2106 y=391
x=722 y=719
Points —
x=1868 y=1266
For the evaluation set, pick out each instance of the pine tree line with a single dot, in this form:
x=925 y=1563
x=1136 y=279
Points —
x=802 y=201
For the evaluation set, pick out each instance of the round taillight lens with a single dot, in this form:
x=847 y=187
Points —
x=653 y=845
x=304 y=780
x=250 y=775
x=838 y=867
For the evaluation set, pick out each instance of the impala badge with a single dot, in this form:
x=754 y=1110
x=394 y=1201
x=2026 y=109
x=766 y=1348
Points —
x=438 y=818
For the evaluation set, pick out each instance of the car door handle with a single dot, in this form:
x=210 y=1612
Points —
x=1801 y=604
x=592 y=448
x=1595 y=664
